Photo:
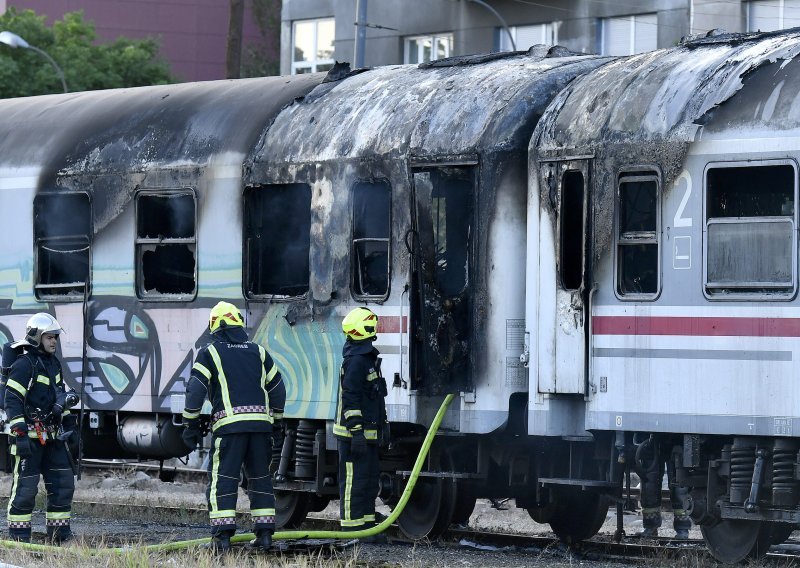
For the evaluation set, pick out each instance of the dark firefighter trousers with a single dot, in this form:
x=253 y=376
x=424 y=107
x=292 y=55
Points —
x=229 y=453
x=651 y=497
x=358 y=487
x=51 y=462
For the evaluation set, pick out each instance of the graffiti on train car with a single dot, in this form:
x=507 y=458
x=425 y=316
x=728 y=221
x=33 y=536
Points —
x=138 y=359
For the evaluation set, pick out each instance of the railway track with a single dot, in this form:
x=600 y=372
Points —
x=601 y=548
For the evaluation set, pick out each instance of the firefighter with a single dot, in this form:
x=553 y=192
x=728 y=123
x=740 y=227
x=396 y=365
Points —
x=247 y=398
x=41 y=423
x=650 y=459
x=360 y=421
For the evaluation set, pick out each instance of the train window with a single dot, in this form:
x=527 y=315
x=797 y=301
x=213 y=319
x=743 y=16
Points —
x=450 y=210
x=638 y=235
x=166 y=243
x=371 y=231
x=62 y=236
x=751 y=246
x=277 y=240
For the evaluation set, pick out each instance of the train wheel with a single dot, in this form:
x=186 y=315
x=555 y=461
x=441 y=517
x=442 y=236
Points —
x=732 y=540
x=578 y=515
x=430 y=509
x=291 y=508
x=317 y=503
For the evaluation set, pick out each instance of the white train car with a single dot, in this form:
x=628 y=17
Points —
x=662 y=274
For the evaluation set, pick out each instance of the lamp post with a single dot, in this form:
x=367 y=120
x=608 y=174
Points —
x=13 y=40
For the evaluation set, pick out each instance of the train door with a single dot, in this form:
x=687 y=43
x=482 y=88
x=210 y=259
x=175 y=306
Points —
x=563 y=362
x=443 y=228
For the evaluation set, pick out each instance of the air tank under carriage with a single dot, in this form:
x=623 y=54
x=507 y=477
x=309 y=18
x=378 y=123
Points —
x=662 y=274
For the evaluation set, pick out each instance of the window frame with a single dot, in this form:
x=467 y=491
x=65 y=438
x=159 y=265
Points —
x=37 y=285
x=246 y=274
x=640 y=174
x=433 y=37
x=545 y=28
x=631 y=30
x=726 y=294
x=370 y=297
x=314 y=63
x=141 y=241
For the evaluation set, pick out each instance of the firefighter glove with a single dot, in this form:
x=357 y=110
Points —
x=358 y=445
x=386 y=435
x=55 y=413
x=24 y=449
x=192 y=437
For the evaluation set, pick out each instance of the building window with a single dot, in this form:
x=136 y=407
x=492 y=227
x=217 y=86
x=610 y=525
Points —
x=770 y=15
x=422 y=49
x=62 y=225
x=166 y=245
x=638 y=223
x=313 y=45
x=277 y=240
x=372 y=222
x=526 y=36
x=750 y=218
x=629 y=34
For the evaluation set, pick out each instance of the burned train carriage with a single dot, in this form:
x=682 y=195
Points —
x=403 y=188
x=662 y=278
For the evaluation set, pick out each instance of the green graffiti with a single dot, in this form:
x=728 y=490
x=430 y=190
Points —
x=308 y=359
x=116 y=378
x=138 y=329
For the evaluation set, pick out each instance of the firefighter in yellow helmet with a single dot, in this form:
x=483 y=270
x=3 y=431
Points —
x=361 y=424
x=247 y=398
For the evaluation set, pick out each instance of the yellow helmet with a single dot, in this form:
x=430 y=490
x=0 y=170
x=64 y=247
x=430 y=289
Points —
x=360 y=324
x=224 y=315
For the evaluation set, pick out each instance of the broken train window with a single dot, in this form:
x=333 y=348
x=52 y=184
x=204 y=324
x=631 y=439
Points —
x=277 y=240
x=638 y=235
x=751 y=244
x=62 y=237
x=166 y=244
x=369 y=259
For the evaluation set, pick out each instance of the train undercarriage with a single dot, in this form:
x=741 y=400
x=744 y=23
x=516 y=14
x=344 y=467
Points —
x=743 y=492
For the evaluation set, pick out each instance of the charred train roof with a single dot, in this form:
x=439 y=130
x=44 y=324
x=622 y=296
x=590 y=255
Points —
x=133 y=129
x=697 y=89
x=421 y=111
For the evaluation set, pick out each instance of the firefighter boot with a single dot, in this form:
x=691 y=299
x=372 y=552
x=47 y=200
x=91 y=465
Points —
x=263 y=540
x=220 y=543
x=59 y=534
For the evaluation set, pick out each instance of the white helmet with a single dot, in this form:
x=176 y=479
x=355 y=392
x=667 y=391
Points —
x=38 y=325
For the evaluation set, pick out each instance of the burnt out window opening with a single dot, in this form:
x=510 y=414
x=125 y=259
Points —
x=571 y=241
x=638 y=235
x=451 y=214
x=166 y=244
x=62 y=237
x=751 y=242
x=371 y=237
x=277 y=240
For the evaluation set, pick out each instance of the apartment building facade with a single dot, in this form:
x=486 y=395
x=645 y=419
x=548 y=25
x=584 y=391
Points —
x=316 y=33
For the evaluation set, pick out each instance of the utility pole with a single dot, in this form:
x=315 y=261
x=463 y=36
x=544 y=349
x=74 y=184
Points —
x=361 y=32
x=233 y=60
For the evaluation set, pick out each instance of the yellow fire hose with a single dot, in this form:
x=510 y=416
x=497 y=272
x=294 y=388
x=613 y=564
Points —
x=286 y=535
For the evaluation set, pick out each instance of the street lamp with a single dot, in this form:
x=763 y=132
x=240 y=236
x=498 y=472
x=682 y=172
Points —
x=13 y=40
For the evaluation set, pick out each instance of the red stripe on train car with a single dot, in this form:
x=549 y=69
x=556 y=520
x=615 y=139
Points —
x=391 y=324
x=691 y=326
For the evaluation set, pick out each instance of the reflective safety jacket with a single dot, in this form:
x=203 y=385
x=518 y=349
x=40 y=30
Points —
x=241 y=381
x=362 y=390
x=34 y=386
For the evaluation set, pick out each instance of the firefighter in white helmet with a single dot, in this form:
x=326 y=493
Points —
x=37 y=405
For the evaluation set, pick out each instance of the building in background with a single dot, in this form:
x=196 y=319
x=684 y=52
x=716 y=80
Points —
x=316 y=33
x=192 y=33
